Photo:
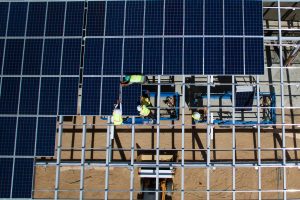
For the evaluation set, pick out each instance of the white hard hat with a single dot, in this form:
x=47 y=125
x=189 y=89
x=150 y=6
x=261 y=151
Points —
x=139 y=108
x=196 y=115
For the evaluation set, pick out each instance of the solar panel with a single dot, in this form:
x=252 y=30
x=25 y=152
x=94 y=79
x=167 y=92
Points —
x=32 y=57
x=110 y=94
x=9 y=95
x=134 y=18
x=95 y=18
x=22 y=181
x=193 y=55
x=114 y=18
x=7 y=140
x=36 y=19
x=3 y=17
x=1 y=51
x=233 y=17
x=152 y=56
x=91 y=93
x=113 y=56
x=234 y=54
x=55 y=18
x=214 y=17
x=253 y=18
x=49 y=96
x=133 y=56
x=6 y=165
x=13 y=56
x=154 y=17
x=244 y=97
x=193 y=17
x=131 y=99
x=68 y=96
x=93 y=56
x=254 y=56
x=172 y=56
x=17 y=19
x=26 y=136
x=52 y=56
x=213 y=58
x=173 y=17
x=74 y=19
x=45 y=142
x=29 y=95
x=71 y=57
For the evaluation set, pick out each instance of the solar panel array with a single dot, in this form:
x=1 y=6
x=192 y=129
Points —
x=44 y=47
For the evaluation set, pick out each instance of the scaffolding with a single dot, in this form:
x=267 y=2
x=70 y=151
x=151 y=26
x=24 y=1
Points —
x=282 y=36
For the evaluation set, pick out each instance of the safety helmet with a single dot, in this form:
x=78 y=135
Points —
x=196 y=115
x=139 y=108
x=127 y=78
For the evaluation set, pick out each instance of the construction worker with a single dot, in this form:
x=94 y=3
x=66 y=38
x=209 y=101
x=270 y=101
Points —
x=133 y=79
x=117 y=118
x=145 y=99
x=145 y=112
x=200 y=117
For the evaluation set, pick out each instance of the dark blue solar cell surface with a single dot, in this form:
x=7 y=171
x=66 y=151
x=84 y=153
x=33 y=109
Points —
x=9 y=95
x=234 y=62
x=3 y=18
x=193 y=55
x=91 y=92
x=253 y=17
x=152 y=56
x=1 y=52
x=113 y=56
x=254 y=55
x=32 y=57
x=233 y=17
x=71 y=57
x=110 y=94
x=173 y=17
x=36 y=19
x=214 y=17
x=173 y=56
x=244 y=99
x=74 y=19
x=26 y=136
x=193 y=17
x=55 y=18
x=68 y=96
x=17 y=19
x=114 y=18
x=52 y=56
x=13 y=56
x=23 y=172
x=7 y=140
x=45 y=142
x=134 y=18
x=154 y=17
x=29 y=95
x=131 y=99
x=93 y=56
x=213 y=62
x=49 y=96
x=95 y=18
x=6 y=165
x=133 y=56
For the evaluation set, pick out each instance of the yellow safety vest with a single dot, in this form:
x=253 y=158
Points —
x=136 y=79
x=145 y=111
x=118 y=120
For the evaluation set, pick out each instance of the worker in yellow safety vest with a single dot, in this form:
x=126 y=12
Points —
x=145 y=98
x=133 y=79
x=117 y=118
x=145 y=112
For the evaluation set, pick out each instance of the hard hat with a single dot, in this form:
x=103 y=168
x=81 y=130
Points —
x=139 y=108
x=127 y=78
x=196 y=115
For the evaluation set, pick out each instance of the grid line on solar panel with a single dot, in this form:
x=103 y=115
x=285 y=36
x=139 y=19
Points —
x=22 y=180
x=26 y=136
x=68 y=96
x=7 y=140
x=45 y=142
x=110 y=94
x=6 y=165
